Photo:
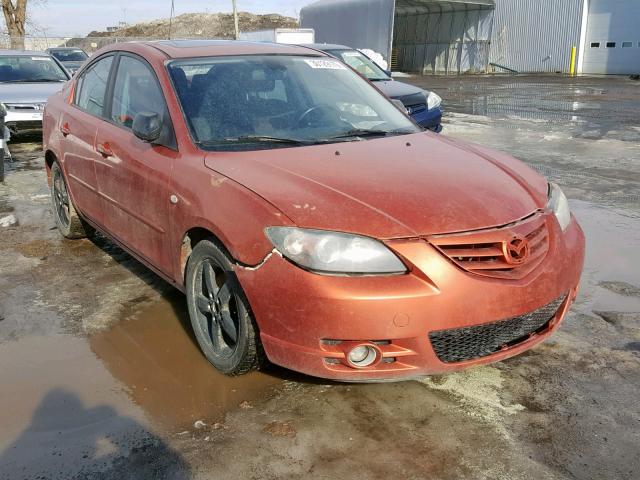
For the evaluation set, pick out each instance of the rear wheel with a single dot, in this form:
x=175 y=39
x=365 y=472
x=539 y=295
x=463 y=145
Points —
x=220 y=313
x=67 y=219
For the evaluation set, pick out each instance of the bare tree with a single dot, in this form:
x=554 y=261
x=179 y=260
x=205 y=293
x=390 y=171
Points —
x=15 y=16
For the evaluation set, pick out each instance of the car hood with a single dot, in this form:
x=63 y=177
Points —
x=28 y=92
x=399 y=90
x=402 y=186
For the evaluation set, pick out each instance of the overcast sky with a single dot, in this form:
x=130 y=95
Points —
x=79 y=17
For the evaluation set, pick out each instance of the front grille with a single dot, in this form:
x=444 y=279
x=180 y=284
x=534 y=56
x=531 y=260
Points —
x=467 y=343
x=24 y=126
x=483 y=252
x=25 y=107
x=413 y=109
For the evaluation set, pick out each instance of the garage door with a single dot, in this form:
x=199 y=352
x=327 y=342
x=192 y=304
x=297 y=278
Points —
x=613 y=37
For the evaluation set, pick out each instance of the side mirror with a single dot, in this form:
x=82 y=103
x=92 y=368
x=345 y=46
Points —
x=147 y=126
x=388 y=72
x=400 y=106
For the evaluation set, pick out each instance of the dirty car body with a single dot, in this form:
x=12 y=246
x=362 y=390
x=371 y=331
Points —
x=423 y=106
x=316 y=226
x=27 y=79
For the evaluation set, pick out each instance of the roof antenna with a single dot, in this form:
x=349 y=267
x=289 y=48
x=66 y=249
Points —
x=171 y=19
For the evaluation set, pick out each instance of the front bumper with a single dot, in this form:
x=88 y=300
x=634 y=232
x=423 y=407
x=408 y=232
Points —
x=23 y=122
x=430 y=119
x=308 y=321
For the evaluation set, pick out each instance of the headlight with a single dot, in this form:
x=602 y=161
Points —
x=433 y=100
x=334 y=252
x=559 y=205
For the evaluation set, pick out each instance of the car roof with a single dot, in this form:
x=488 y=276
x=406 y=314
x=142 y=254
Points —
x=63 y=48
x=23 y=53
x=175 y=49
x=328 y=46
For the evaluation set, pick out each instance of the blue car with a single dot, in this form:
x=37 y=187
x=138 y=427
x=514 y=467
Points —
x=424 y=107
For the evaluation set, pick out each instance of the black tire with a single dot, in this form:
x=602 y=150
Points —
x=67 y=219
x=220 y=313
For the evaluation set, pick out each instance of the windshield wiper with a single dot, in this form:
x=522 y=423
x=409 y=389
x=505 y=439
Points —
x=364 y=132
x=256 y=139
x=34 y=80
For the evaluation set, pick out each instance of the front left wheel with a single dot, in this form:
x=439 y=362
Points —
x=220 y=313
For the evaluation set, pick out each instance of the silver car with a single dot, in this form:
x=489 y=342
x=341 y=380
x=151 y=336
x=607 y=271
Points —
x=27 y=79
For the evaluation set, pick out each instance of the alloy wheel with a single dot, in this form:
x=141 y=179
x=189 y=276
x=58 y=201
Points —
x=61 y=199
x=217 y=308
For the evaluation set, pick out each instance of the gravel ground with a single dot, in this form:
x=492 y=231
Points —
x=101 y=377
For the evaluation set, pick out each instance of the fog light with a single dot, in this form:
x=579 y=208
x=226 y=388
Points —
x=362 y=356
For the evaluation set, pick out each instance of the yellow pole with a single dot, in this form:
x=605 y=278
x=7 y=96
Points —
x=572 y=68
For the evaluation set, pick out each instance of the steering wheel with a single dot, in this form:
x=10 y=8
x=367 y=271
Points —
x=320 y=111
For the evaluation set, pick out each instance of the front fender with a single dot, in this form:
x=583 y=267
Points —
x=231 y=212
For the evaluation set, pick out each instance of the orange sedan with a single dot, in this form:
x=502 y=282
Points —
x=308 y=220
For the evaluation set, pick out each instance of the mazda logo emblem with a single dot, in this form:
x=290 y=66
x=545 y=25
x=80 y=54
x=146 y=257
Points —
x=516 y=250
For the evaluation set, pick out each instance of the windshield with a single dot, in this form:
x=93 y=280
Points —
x=253 y=102
x=69 y=55
x=360 y=63
x=22 y=68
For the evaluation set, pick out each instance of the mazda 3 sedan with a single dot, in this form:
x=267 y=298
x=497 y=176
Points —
x=307 y=219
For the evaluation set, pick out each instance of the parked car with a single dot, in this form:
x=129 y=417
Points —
x=425 y=107
x=27 y=79
x=306 y=218
x=71 y=57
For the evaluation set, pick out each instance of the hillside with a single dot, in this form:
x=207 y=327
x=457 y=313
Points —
x=209 y=25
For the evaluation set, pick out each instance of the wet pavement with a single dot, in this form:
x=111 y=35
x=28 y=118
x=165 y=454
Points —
x=100 y=376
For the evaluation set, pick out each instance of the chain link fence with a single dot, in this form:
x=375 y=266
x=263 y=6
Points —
x=88 y=44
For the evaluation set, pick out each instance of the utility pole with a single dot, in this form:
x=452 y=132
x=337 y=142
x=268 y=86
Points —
x=235 y=20
x=171 y=19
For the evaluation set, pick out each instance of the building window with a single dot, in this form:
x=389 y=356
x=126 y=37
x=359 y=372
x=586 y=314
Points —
x=595 y=44
x=611 y=44
x=627 y=44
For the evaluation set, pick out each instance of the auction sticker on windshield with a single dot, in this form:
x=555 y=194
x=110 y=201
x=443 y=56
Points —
x=330 y=64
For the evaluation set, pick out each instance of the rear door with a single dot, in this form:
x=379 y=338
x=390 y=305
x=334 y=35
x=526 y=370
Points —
x=78 y=125
x=133 y=175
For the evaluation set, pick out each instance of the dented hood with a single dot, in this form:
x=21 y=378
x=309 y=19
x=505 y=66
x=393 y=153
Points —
x=394 y=187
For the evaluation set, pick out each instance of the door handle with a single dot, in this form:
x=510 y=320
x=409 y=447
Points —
x=104 y=149
x=64 y=129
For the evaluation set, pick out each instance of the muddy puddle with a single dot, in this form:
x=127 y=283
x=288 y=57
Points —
x=154 y=355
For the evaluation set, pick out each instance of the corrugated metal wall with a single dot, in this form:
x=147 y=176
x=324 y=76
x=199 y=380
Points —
x=356 y=23
x=442 y=37
x=535 y=35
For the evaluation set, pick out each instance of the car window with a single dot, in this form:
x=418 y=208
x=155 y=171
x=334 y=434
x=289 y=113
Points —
x=70 y=55
x=92 y=86
x=136 y=90
x=361 y=64
x=30 y=69
x=229 y=101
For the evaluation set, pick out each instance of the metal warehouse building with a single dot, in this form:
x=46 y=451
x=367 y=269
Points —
x=444 y=36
